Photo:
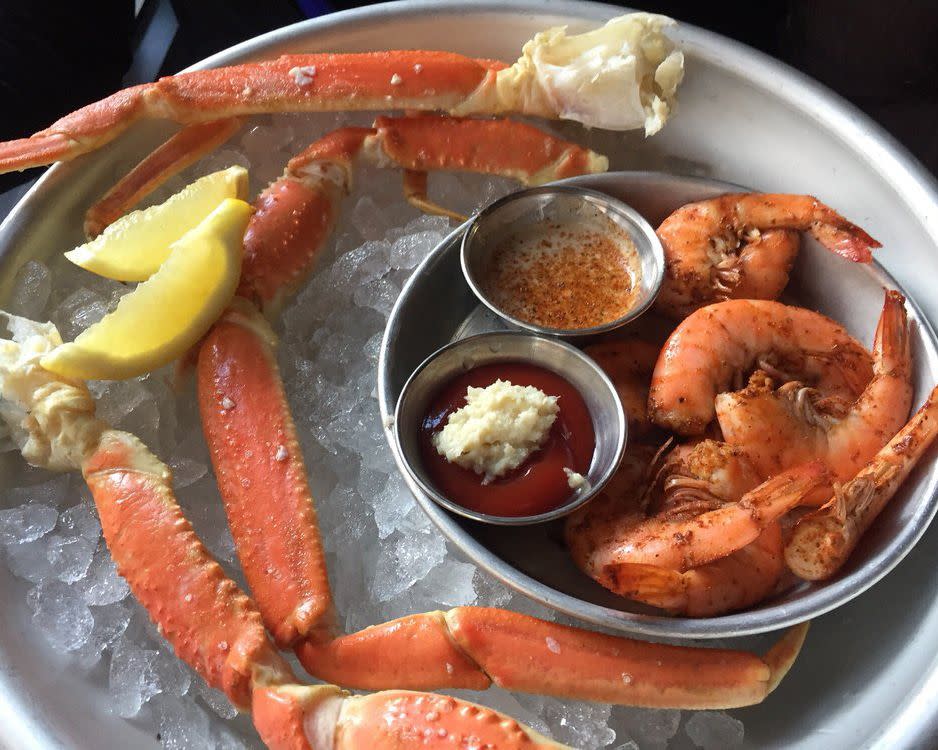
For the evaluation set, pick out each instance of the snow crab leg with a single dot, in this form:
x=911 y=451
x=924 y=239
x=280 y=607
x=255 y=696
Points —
x=182 y=150
x=209 y=621
x=252 y=440
x=633 y=86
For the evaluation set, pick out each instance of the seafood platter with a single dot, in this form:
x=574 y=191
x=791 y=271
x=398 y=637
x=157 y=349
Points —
x=408 y=399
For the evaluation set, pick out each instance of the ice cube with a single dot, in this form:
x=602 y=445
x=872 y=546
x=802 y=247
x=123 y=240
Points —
x=60 y=614
x=368 y=218
x=31 y=288
x=405 y=561
x=410 y=249
x=26 y=523
x=52 y=492
x=79 y=310
x=379 y=294
x=183 y=725
x=30 y=560
x=489 y=592
x=714 y=730
x=651 y=727
x=103 y=585
x=186 y=471
x=109 y=624
x=71 y=549
x=173 y=677
x=392 y=503
x=133 y=678
x=215 y=699
x=581 y=725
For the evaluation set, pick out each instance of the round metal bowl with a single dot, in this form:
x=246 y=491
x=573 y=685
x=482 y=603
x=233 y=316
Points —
x=868 y=673
x=562 y=204
x=609 y=424
x=534 y=560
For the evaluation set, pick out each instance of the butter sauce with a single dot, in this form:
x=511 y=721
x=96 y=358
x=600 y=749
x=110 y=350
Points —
x=569 y=275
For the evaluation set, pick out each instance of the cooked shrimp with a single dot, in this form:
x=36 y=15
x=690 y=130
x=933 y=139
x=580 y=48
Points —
x=629 y=363
x=742 y=246
x=714 y=349
x=703 y=504
x=784 y=427
x=714 y=542
x=823 y=540
x=739 y=580
x=691 y=479
x=679 y=541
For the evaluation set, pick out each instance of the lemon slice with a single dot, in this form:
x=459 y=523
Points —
x=134 y=246
x=167 y=314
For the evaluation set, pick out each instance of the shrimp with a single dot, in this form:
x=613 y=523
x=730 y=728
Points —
x=629 y=363
x=713 y=543
x=712 y=350
x=823 y=540
x=784 y=427
x=734 y=582
x=742 y=245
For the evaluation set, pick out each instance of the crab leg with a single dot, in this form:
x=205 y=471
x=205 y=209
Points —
x=291 y=83
x=209 y=621
x=295 y=215
x=184 y=148
x=628 y=64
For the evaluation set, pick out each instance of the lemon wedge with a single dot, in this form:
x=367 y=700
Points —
x=134 y=246
x=167 y=314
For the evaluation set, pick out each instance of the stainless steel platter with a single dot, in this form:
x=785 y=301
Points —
x=533 y=559
x=869 y=672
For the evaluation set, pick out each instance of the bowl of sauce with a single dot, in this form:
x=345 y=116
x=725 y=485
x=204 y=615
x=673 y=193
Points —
x=510 y=428
x=563 y=261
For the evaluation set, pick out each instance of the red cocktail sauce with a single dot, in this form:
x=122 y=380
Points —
x=539 y=484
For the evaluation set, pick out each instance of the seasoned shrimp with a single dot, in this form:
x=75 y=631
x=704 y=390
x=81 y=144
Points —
x=784 y=427
x=823 y=540
x=691 y=480
x=713 y=542
x=714 y=349
x=742 y=246
x=629 y=363
x=739 y=580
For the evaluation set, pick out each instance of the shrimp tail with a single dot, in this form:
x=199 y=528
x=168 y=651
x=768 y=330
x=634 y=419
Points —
x=823 y=540
x=843 y=237
x=659 y=587
x=892 y=345
x=779 y=494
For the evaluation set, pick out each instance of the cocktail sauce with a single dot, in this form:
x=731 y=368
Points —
x=537 y=485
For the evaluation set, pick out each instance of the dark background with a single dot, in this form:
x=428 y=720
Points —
x=54 y=57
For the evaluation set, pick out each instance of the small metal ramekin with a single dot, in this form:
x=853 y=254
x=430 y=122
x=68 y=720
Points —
x=609 y=423
x=527 y=208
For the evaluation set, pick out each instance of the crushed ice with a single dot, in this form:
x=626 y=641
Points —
x=385 y=558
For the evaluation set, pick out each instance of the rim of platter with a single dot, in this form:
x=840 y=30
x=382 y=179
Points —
x=891 y=678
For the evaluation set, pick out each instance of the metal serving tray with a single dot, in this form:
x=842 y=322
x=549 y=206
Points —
x=868 y=676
